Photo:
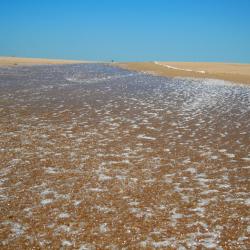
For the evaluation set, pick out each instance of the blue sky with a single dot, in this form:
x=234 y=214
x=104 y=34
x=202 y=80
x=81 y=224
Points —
x=127 y=30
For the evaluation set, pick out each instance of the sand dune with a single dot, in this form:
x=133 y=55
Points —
x=226 y=71
x=16 y=61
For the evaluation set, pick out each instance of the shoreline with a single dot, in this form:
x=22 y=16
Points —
x=25 y=61
x=233 y=72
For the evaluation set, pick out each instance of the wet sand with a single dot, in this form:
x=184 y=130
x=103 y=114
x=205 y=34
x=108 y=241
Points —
x=239 y=73
x=21 y=61
x=97 y=157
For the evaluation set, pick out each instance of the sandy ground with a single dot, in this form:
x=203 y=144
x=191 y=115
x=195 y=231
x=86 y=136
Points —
x=21 y=61
x=97 y=157
x=239 y=73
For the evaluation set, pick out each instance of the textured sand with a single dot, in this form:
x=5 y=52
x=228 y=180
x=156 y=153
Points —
x=226 y=71
x=96 y=157
x=16 y=61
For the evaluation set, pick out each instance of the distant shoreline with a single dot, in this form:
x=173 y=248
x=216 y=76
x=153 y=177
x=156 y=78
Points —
x=234 y=72
x=22 y=61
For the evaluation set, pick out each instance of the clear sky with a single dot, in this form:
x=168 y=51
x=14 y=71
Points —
x=127 y=30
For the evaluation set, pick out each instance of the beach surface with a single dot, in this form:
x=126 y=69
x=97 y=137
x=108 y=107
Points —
x=98 y=157
x=239 y=73
x=22 y=61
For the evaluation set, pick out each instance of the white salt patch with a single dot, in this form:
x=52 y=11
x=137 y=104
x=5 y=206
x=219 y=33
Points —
x=87 y=247
x=13 y=162
x=103 y=228
x=63 y=215
x=199 y=210
x=177 y=216
x=243 y=133
x=66 y=243
x=191 y=170
x=103 y=177
x=242 y=238
x=168 y=179
x=162 y=207
x=141 y=136
x=186 y=161
x=152 y=128
x=51 y=170
x=121 y=177
x=209 y=242
x=209 y=191
x=135 y=126
x=222 y=150
x=247 y=202
x=246 y=158
x=46 y=201
x=144 y=243
x=150 y=180
x=230 y=155
x=185 y=198
x=104 y=209
x=134 y=203
x=96 y=190
x=17 y=229
x=247 y=167
x=78 y=202
x=47 y=191
x=180 y=247
x=161 y=244
x=214 y=157
x=63 y=228
x=224 y=186
x=203 y=202
x=125 y=161
x=141 y=214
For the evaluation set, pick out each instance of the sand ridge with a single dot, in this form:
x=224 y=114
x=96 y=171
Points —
x=21 y=61
x=239 y=73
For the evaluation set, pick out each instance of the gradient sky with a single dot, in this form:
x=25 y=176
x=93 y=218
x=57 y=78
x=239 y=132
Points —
x=127 y=30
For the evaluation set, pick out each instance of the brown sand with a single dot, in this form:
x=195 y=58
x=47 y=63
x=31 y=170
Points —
x=17 y=61
x=134 y=163
x=226 y=71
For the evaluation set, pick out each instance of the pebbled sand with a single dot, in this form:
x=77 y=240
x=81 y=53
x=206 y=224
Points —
x=239 y=73
x=94 y=157
x=20 y=61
